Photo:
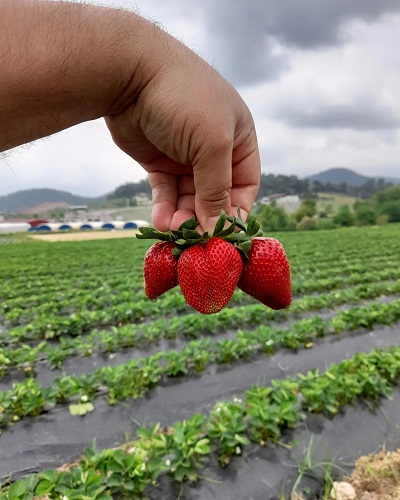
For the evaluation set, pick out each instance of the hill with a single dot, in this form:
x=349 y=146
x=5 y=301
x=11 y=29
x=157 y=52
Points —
x=23 y=200
x=351 y=178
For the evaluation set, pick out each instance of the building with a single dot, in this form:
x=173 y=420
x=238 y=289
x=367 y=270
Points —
x=81 y=213
x=142 y=199
x=105 y=215
x=289 y=202
x=14 y=227
x=76 y=213
x=2 y=216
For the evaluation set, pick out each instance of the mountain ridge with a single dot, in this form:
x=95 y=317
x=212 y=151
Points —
x=338 y=175
x=25 y=199
x=22 y=201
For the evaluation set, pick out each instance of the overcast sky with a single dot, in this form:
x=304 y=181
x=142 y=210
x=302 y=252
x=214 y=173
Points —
x=322 y=80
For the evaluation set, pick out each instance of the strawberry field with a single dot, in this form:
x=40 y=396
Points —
x=151 y=399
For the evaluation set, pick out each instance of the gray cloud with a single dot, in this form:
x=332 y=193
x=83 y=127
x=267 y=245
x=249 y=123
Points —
x=357 y=116
x=248 y=61
x=239 y=37
x=312 y=23
x=245 y=33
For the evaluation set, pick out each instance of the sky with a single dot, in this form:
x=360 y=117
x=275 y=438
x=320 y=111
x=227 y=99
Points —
x=322 y=80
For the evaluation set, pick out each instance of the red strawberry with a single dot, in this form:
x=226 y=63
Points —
x=159 y=269
x=208 y=274
x=266 y=274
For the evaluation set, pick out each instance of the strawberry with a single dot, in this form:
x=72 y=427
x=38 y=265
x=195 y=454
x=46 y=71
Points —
x=208 y=273
x=209 y=267
x=266 y=273
x=159 y=269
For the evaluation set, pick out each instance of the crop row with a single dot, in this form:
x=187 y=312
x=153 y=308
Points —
x=302 y=246
x=182 y=451
x=50 y=285
x=91 y=280
x=71 y=269
x=299 y=264
x=51 y=326
x=134 y=378
x=126 y=307
x=36 y=271
x=90 y=255
x=25 y=309
x=65 y=274
x=189 y=326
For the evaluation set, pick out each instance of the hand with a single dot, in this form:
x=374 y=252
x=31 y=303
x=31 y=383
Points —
x=195 y=137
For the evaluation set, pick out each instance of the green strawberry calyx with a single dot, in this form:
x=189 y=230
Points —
x=238 y=233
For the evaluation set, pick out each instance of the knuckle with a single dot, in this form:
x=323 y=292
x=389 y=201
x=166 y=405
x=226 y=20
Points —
x=214 y=197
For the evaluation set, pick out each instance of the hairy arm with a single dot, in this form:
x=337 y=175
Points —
x=64 y=63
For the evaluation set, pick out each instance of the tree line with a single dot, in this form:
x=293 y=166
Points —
x=277 y=183
x=381 y=208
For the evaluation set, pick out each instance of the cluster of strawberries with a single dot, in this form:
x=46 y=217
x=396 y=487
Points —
x=209 y=267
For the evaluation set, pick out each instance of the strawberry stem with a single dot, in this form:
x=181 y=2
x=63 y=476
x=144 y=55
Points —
x=238 y=233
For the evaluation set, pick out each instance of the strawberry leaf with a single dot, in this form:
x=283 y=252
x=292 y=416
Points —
x=245 y=246
x=152 y=233
x=219 y=226
x=239 y=224
x=190 y=224
x=191 y=234
x=194 y=241
x=251 y=227
x=237 y=237
x=229 y=230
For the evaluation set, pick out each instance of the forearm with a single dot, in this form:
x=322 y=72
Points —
x=63 y=63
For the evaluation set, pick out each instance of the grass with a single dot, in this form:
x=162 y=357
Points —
x=324 y=471
x=11 y=238
x=334 y=200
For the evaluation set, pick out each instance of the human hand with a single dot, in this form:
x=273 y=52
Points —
x=195 y=137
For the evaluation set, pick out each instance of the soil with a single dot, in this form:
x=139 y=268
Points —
x=269 y=473
x=53 y=439
x=77 y=365
x=377 y=477
x=85 y=236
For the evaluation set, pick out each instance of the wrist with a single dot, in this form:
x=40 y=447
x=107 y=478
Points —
x=137 y=50
x=146 y=51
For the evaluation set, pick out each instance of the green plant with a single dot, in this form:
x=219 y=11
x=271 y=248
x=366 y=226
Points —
x=228 y=428
x=307 y=224
x=271 y=409
x=187 y=448
x=344 y=216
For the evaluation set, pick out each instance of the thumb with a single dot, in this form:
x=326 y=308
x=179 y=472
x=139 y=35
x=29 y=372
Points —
x=213 y=185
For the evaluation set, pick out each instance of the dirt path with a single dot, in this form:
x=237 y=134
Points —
x=84 y=236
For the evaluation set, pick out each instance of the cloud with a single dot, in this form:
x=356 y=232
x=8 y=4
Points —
x=312 y=23
x=238 y=35
x=361 y=115
x=304 y=151
x=253 y=38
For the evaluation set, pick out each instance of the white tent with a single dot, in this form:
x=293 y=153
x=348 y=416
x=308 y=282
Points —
x=14 y=227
